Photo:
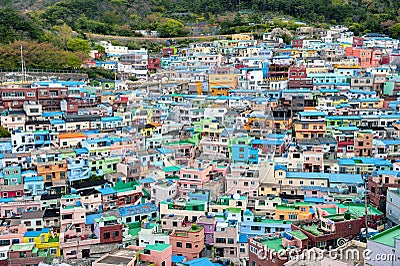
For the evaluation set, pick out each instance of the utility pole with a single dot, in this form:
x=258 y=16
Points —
x=366 y=210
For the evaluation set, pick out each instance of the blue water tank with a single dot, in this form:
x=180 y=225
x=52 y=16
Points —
x=78 y=203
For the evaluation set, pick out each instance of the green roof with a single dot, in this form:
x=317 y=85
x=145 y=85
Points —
x=233 y=210
x=106 y=219
x=22 y=247
x=298 y=234
x=387 y=237
x=122 y=187
x=329 y=210
x=172 y=168
x=313 y=229
x=274 y=243
x=359 y=209
x=273 y=221
x=285 y=207
x=72 y=196
x=158 y=247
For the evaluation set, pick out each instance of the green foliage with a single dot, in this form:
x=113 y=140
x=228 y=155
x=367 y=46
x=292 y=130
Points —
x=14 y=26
x=395 y=31
x=94 y=73
x=4 y=133
x=171 y=28
x=39 y=55
x=78 y=45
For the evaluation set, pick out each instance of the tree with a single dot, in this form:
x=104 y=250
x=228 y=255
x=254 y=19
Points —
x=395 y=31
x=171 y=28
x=4 y=133
x=78 y=45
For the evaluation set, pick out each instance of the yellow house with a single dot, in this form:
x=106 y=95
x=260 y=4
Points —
x=45 y=239
x=309 y=129
x=222 y=81
x=151 y=129
x=294 y=212
x=242 y=37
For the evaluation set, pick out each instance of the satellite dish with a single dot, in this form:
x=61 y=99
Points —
x=236 y=196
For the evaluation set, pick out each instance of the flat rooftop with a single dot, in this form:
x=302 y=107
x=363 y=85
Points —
x=387 y=237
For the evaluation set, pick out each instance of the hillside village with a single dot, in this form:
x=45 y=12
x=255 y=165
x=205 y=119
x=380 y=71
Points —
x=217 y=153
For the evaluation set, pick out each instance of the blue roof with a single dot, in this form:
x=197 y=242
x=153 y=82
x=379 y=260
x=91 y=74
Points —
x=147 y=180
x=49 y=114
x=266 y=142
x=389 y=142
x=313 y=199
x=32 y=234
x=33 y=179
x=312 y=114
x=107 y=191
x=280 y=167
x=346 y=161
x=344 y=117
x=81 y=151
x=137 y=209
x=332 y=177
x=199 y=262
x=177 y=259
x=57 y=121
x=351 y=128
x=389 y=172
x=4 y=200
x=164 y=150
x=110 y=119
x=243 y=238
x=90 y=218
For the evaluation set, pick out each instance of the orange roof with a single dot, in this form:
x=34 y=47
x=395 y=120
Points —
x=71 y=135
x=155 y=124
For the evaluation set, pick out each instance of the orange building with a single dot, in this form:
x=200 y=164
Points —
x=52 y=171
x=366 y=57
x=188 y=243
x=67 y=140
x=220 y=84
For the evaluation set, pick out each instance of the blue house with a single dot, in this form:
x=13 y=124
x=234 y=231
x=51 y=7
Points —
x=78 y=169
x=34 y=185
x=12 y=175
x=257 y=225
x=242 y=151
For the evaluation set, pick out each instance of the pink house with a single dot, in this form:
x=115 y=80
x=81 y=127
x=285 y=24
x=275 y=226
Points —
x=242 y=181
x=158 y=254
x=16 y=208
x=195 y=176
x=12 y=234
x=75 y=236
x=313 y=161
x=188 y=242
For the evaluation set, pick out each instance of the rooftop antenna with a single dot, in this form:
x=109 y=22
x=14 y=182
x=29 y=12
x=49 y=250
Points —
x=23 y=66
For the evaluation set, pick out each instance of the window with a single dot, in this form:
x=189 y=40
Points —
x=53 y=251
x=179 y=244
x=188 y=245
x=116 y=233
x=231 y=241
x=107 y=235
x=31 y=240
x=220 y=240
x=255 y=228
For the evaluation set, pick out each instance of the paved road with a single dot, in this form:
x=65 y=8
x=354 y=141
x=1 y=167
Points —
x=156 y=39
